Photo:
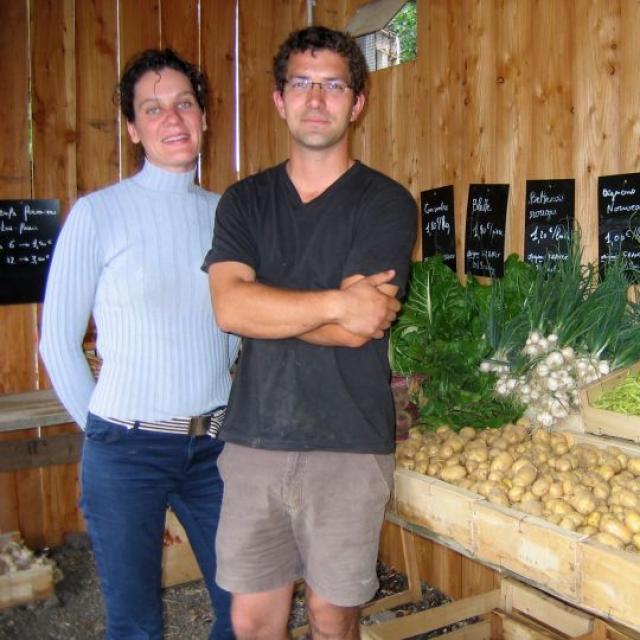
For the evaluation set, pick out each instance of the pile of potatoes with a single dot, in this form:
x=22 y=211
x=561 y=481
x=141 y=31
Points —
x=593 y=491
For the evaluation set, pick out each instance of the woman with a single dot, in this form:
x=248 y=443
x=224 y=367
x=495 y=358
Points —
x=131 y=255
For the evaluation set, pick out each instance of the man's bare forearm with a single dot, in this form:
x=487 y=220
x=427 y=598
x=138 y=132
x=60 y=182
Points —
x=255 y=310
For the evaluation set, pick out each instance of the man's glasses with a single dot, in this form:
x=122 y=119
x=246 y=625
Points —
x=329 y=87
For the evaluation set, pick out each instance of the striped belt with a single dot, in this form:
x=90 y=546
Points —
x=205 y=424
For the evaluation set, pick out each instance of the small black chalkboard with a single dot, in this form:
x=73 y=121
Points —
x=485 y=232
x=619 y=218
x=28 y=231
x=438 y=225
x=548 y=220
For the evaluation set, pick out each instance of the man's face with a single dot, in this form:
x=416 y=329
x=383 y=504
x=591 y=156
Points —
x=168 y=120
x=317 y=118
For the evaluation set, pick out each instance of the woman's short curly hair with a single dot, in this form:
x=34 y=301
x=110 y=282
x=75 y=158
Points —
x=318 y=39
x=156 y=60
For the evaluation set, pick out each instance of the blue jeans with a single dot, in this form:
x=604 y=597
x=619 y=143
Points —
x=129 y=476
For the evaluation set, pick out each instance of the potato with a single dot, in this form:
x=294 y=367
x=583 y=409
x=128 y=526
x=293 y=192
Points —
x=455 y=442
x=601 y=491
x=486 y=487
x=433 y=449
x=605 y=471
x=568 y=523
x=587 y=530
x=515 y=494
x=609 y=540
x=541 y=485
x=583 y=502
x=452 y=473
x=633 y=465
x=444 y=430
x=541 y=436
x=555 y=490
x=560 y=448
x=477 y=453
x=434 y=468
x=422 y=467
x=525 y=475
x=614 y=527
x=405 y=463
x=502 y=462
x=471 y=465
x=499 y=443
x=593 y=519
x=532 y=507
x=497 y=496
x=628 y=499
x=467 y=433
x=632 y=521
x=564 y=464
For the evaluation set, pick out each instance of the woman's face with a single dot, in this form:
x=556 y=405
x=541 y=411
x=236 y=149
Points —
x=168 y=120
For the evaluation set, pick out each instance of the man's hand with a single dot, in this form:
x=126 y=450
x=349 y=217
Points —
x=369 y=304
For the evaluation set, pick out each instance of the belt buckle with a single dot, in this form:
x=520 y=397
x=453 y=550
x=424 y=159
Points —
x=199 y=425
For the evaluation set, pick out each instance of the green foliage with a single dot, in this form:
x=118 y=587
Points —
x=403 y=25
x=441 y=336
x=585 y=311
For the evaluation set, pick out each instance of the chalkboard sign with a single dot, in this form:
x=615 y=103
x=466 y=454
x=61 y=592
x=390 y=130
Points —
x=548 y=220
x=28 y=231
x=485 y=232
x=619 y=218
x=438 y=225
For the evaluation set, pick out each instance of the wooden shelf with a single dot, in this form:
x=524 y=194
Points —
x=31 y=409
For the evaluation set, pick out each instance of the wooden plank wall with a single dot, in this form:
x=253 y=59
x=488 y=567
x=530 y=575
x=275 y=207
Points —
x=505 y=91
x=68 y=54
x=501 y=91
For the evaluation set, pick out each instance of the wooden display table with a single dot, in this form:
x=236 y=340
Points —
x=565 y=564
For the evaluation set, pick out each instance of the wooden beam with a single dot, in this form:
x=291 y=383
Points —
x=40 y=452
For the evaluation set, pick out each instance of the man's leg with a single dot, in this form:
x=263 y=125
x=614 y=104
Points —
x=330 y=622
x=263 y=615
x=258 y=559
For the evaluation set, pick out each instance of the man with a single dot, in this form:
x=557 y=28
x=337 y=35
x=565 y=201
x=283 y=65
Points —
x=307 y=262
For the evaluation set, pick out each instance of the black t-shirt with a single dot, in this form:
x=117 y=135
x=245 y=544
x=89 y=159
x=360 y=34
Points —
x=288 y=394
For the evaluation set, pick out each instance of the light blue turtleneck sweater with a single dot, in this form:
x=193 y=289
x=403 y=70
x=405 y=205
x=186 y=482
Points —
x=131 y=254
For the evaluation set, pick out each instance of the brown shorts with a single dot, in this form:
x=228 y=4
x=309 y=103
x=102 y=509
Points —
x=315 y=515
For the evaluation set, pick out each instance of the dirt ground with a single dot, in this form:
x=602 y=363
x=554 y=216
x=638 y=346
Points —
x=76 y=611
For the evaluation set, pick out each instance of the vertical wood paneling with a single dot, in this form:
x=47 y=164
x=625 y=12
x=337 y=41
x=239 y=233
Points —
x=440 y=103
x=597 y=106
x=54 y=107
x=629 y=86
x=75 y=51
x=44 y=493
x=97 y=76
x=139 y=30
x=263 y=137
x=180 y=29
x=218 y=60
x=336 y=13
x=502 y=91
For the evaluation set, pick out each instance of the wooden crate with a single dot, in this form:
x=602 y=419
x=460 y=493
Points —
x=603 y=422
x=560 y=562
x=179 y=564
x=515 y=611
x=23 y=587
